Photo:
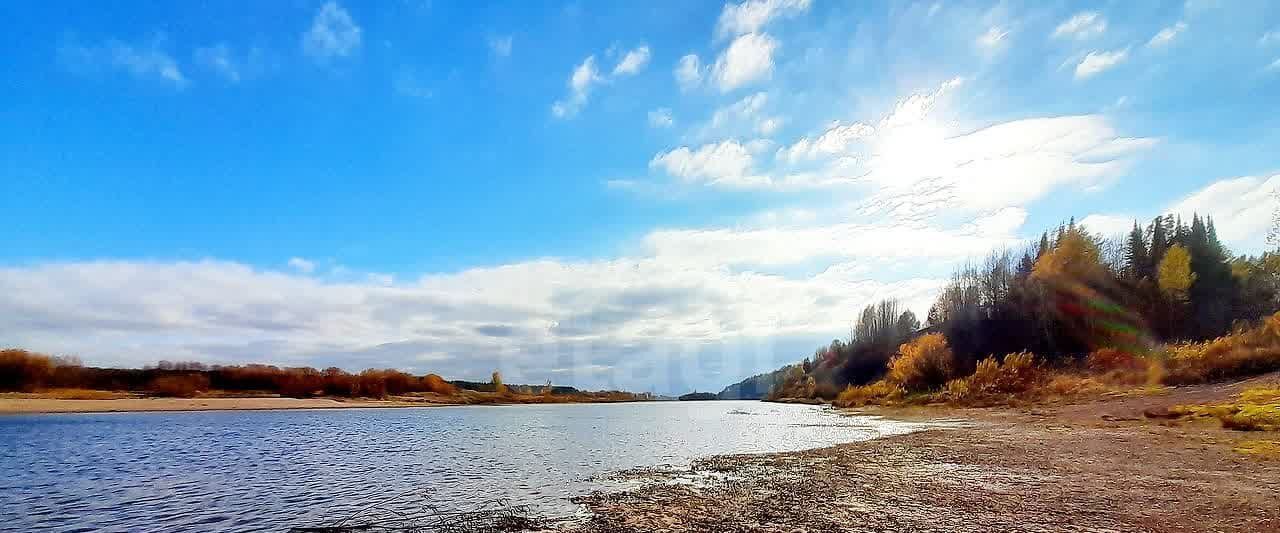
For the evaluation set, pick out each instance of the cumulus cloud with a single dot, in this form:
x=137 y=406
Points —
x=1166 y=36
x=148 y=60
x=1269 y=38
x=725 y=163
x=747 y=60
x=630 y=322
x=1081 y=26
x=1097 y=62
x=333 y=34
x=751 y=16
x=633 y=62
x=688 y=72
x=661 y=118
x=1108 y=225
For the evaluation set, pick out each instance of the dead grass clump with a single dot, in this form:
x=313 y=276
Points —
x=923 y=364
x=80 y=394
x=1267 y=449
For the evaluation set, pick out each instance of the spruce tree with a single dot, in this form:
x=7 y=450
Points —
x=1137 y=260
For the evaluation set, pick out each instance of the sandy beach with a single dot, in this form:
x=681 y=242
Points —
x=1097 y=466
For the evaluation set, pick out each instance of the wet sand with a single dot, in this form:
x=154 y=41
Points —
x=1097 y=466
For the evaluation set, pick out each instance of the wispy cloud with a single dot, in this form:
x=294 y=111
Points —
x=1081 y=26
x=500 y=45
x=149 y=60
x=333 y=34
x=632 y=62
x=222 y=59
x=585 y=76
x=661 y=118
x=1166 y=36
x=1095 y=63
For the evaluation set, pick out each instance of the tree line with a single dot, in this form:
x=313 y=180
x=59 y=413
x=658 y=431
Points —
x=1062 y=297
x=22 y=370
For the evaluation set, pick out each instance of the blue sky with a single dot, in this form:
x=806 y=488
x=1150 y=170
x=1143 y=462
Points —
x=655 y=196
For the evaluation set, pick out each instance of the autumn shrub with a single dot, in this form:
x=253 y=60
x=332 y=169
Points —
x=879 y=392
x=179 y=385
x=21 y=370
x=1017 y=374
x=437 y=384
x=1250 y=352
x=923 y=364
x=1108 y=359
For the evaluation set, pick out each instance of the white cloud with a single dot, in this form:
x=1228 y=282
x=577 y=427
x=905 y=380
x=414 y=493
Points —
x=1167 y=35
x=144 y=61
x=994 y=39
x=302 y=265
x=1108 y=225
x=633 y=62
x=1269 y=38
x=333 y=34
x=743 y=117
x=1097 y=62
x=688 y=72
x=751 y=16
x=748 y=59
x=834 y=141
x=500 y=45
x=1242 y=208
x=1275 y=65
x=222 y=60
x=768 y=126
x=583 y=78
x=661 y=118
x=726 y=163
x=1082 y=26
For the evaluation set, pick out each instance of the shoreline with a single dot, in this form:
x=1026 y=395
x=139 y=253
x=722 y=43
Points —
x=36 y=405
x=1095 y=465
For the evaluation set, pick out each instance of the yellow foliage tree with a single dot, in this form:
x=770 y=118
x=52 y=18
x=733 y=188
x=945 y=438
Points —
x=1075 y=256
x=498 y=387
x=1174 y=273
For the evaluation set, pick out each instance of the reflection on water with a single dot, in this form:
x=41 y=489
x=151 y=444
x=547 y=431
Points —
x=269 y=470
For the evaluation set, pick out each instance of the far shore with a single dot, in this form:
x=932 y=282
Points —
x=123 y=405
x=109 y=402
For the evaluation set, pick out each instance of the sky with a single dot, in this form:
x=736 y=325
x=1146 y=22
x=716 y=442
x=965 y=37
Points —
x=657 y=196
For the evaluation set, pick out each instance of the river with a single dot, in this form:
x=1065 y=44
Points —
x=271 y=470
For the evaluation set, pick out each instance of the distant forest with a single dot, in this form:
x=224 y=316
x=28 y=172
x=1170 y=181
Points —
x=21 y=370
x=1060 y=298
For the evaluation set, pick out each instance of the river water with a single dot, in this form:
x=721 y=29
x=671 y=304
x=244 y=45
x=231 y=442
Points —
x=271 y=470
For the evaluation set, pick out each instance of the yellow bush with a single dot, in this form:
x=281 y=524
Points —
x=879 y=392
x=1018 y=373
x=925 y=363
x=1253 y=351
